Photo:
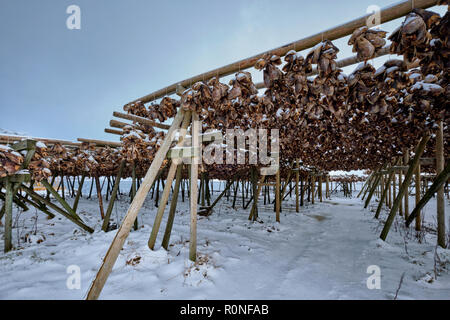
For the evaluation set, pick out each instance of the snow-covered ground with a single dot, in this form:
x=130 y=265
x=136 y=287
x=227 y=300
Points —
x=323 y=252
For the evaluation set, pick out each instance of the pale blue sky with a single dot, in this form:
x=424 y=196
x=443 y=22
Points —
x=61 y=83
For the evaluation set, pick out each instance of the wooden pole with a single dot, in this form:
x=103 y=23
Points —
x=254 y=211
x=384 y=193
x=113 y=196
x=418 y=219
x=418 y=153
x=99 y=196
x=194 y=190
x=173 y=205
x=124 y=230
x=406 y=200
x=440 y=162
x=320 y=187
x=277 y=196
x=162 y=205
x=133 y=191
x=438 y=182
x=38 y=198
x=59 y=199
x=8 y=215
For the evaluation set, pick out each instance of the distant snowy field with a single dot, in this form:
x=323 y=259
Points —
x=323 y=252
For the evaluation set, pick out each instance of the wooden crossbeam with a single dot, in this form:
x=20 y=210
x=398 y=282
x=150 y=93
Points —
x=141 y=120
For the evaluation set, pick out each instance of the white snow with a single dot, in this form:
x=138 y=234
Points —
x=323 y=252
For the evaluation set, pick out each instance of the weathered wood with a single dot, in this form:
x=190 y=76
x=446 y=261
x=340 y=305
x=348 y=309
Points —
x=417 y=154
x=207 y=211
x=440 y=209
x=133 y=192
x=60 y=200
x=253 y=212
x=277 y=196
x=417 y=182
x=8 y=215
x=37 y=197
x=80 y=188
x=162 y=206
x=99 y=196
x=375 y=183
x=10 y=139
x=297 y=196
x=438 y=182
x=384 y=193
x=113 y=196
x=406 y=199
x=194 y=191
x=114 y=131
x=37 y=205
x=173 y=205
x=124 y=230
x=119 y=124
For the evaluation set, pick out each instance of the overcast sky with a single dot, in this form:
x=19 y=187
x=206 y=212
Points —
x=61 y=83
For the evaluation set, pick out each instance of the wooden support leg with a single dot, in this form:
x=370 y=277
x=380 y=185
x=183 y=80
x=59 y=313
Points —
x=418 y=218
x=162 y=206
x=320 y=188
x=133 y=192
x=384 y=193
x=438 y=182
x=406 y=199
x=277 y=196
x=59 y=199
x=69 y=216
x=419 y=150
x=8 y=216
x=194 y=191
x=113 y=197
x=254 y=211
x=173 y=205
x=99 y=195
x=77 y=198
x=297 y=196
x=440 y=162
x=124 y=230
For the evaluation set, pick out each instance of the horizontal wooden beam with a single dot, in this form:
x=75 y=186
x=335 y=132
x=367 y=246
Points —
x=118 y=124
x=113 y=131
x=101 y=142
x=141 y=120
x=6 y=139
x=387 y=14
